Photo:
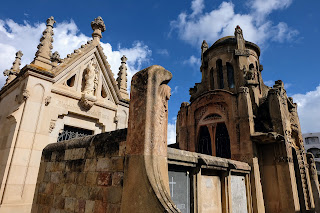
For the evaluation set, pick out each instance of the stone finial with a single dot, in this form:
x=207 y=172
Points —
x=43 y=55
x=239 y=37
x=55 y=58
x=122 y=78
x=204 y=47
x=98 y=26
x=15 y=69
x=17 y=62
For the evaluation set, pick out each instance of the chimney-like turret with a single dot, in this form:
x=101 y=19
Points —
x=122 y=78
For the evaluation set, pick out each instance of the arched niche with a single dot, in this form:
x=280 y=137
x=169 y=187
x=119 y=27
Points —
x=213 y=136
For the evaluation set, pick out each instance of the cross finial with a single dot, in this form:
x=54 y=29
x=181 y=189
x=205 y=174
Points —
x=98 y=26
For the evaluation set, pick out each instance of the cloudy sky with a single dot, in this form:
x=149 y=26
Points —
x=169 y=33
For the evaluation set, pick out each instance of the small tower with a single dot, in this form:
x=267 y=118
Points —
x=15 y=69
x=122 y=78
x=97 y=27
x=43 y=55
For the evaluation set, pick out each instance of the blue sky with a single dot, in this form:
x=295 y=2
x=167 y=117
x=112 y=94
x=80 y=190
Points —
x=169 y=33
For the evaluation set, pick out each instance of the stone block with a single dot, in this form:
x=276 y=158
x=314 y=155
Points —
x=70 y=204
x=117 y=179
x=69 y=190
x=122 y=148
x=57 y=188
x=89 y=206
x=91 y=178
x=104 y=164
x=56 y=177
x=80 y=206
x=82 y=192
x=95 y=193
x=117 y=163
x=81 y=178
x=58 y=202
x=75 y=154
x=104 y=179
x=90 y=152
x=114 y=194
x=100 y=207
x=90 y=165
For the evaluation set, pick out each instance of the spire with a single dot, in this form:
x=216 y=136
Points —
x=97 y=27
x=122 y=78
x=43 y=55
x=15 y=69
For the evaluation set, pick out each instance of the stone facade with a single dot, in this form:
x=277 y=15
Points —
x=233 y=114
x=50 y=100
x=312 y=145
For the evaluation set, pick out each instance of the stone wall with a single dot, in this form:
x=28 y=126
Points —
x=82 y=175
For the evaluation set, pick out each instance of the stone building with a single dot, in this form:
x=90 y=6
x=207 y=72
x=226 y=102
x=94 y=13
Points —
x=312 y=145
x=239 y=148
x=50 y=100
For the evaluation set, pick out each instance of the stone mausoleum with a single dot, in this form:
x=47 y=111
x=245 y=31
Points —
x=239 y=145
x=51 y=100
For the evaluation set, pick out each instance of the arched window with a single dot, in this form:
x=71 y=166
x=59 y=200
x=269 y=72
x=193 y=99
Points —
x=220 y=73
x=251 y=66
x=222 y=141
x=204 y=145
x=211 y=79
x=230 y=73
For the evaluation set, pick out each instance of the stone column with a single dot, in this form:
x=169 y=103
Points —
x=146 y=184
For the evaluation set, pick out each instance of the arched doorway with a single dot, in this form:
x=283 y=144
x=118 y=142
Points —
x=222 y=141
x=204 y=145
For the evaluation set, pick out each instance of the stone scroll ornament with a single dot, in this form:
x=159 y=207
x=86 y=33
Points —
x=146 y=184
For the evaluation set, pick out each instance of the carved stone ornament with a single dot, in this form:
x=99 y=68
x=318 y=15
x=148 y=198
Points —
x=52 y=125
x=47 y=101
x=86 y=103
x=22 y=96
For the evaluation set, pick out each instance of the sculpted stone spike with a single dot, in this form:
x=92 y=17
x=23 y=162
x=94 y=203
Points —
x=43 y=55
x=146 y=152
x=98 y=26
x=15 y=69
x=204 y=46
x=122 y=78
x=240 y=40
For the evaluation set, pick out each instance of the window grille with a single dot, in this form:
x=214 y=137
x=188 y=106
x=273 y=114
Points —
x=70 y=132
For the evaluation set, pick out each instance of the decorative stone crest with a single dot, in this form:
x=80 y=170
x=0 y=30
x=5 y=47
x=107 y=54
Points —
x=86 y=103
x=23 y=96
x=52 y=125
x=55 y=58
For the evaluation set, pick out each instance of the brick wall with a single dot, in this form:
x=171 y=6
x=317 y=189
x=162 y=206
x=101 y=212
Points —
x=82 y=175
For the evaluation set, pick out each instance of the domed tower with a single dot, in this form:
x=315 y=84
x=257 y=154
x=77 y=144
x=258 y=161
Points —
x=233 y=114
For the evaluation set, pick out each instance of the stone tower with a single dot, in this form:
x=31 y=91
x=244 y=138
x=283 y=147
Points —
x=233 y=114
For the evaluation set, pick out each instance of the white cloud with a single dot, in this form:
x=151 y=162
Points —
x=308 y=110
x=164 y=52
x=175 y=90
x=221 y=22
x=263 y=8
x=197 y=7
x=25 y=37
x=171 y=137
x=193 y=61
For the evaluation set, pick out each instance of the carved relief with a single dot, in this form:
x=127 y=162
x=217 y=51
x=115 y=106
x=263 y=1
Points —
x=47 y=101
x=52 y=125
x=90 y=83
x=22 y=96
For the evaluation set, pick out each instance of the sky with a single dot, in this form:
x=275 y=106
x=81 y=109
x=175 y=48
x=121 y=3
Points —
x=170 y=33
